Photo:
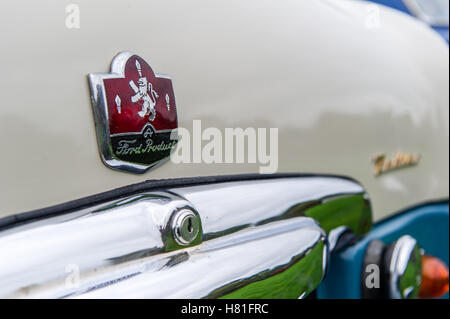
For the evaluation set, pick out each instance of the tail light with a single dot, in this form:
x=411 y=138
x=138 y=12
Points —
x=434 y=278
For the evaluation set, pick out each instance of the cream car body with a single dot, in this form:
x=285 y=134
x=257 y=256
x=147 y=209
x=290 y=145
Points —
x=340 y=89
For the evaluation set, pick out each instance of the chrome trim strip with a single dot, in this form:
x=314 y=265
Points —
x=229 y=266
x=250 y=236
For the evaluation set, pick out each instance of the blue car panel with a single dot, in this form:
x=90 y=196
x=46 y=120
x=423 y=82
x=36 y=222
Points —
x=343 y=279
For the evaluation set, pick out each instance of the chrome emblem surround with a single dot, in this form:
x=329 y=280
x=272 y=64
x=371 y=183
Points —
x=135 y=114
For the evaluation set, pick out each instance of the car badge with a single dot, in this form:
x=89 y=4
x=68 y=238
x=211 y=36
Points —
x=135 y=114
x=382 y=164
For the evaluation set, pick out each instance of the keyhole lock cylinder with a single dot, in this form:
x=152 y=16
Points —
x=186 y=226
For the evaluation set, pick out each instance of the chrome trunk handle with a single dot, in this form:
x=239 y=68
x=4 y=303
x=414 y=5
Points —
x=240 y=239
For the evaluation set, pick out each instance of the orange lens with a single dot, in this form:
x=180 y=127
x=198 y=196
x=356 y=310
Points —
x=434 y=278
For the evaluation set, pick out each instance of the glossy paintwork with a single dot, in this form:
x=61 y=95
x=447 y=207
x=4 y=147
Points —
x=343 y=279
x=339 y=92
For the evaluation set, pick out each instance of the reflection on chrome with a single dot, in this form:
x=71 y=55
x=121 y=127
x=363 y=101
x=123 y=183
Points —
x=405 y=268
x=264 y=238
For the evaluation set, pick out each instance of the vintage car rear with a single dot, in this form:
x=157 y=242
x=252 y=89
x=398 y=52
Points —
x=309 y=146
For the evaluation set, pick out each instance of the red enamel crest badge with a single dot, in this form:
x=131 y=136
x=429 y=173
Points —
x=135 y=114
